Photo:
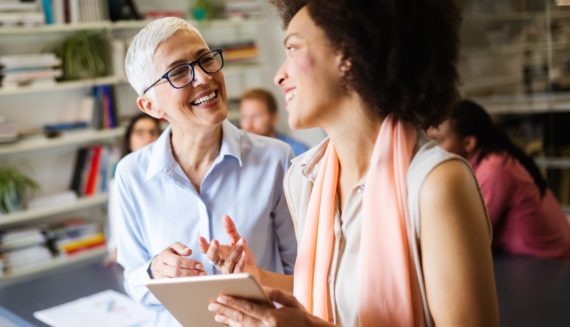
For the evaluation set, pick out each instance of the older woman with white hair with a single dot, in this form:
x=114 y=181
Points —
x=176 y=192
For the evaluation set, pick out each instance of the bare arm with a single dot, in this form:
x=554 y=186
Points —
x=456 y=249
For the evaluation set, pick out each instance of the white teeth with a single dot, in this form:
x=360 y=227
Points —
x=290 y=95
x=204 y=99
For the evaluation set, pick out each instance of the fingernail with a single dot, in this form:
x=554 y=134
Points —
x=219 y=318
x=199 y=266
x=222 y=299
x=240 y=242
x=212 y=307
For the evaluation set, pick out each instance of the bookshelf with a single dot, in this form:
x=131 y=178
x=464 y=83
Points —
x=31 y=216
x=70 y=139
x=51 y=160
x=61 y=86
x=87 y=256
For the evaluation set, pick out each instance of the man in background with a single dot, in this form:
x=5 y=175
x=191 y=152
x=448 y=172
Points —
x=258 y=115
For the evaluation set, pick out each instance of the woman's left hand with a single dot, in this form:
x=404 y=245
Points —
x=235 y=312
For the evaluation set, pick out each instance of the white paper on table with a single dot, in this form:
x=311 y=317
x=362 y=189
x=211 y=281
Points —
x=107 y=308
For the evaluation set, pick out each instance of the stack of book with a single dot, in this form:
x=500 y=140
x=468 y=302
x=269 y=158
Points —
x=15 y=13
x=8 y=131
x=240 y=51
x=24 y=248
x=244 y=8
x=29 y=69
x=75 y=236
x=93 y=170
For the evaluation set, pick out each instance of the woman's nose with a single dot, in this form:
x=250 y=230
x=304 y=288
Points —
x=280 y=76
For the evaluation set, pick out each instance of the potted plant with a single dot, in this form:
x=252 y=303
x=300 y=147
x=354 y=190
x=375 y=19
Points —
x=84 y=54
x=13 y=188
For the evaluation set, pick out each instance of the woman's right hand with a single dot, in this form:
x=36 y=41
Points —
x=230 y=258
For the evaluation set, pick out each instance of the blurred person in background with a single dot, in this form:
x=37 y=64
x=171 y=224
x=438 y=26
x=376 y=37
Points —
x=258 y=115
x=527 y=219
x=141 y=130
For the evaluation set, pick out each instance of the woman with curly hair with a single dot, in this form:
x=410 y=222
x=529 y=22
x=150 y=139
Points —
x=392 y=229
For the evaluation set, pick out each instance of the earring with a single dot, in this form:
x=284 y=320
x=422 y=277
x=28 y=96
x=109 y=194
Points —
x=345 y=66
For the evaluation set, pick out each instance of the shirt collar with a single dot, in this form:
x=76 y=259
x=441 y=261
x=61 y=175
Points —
x=310 y=161
x=162 y=159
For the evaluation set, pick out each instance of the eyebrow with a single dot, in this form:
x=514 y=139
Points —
x=290 y=36
x=183 y=61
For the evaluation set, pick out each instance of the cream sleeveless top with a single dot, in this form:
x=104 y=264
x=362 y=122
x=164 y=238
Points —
x=342 y=281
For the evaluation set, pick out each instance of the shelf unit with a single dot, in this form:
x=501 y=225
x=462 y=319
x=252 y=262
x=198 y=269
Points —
x=74 y=138
x=511 y=63
x=537 y=103
x=87 y=256
x=120 y=25
x=38 y=214
x=28 y=39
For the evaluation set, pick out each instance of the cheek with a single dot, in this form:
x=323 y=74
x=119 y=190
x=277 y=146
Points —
x=301 y=64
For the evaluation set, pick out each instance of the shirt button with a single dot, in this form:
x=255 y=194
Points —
x=360 y=188
x=330 y=280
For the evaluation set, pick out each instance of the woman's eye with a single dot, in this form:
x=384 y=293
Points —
x=291 y=50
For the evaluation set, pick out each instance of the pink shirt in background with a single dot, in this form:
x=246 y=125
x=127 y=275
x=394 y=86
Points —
x=523 y=222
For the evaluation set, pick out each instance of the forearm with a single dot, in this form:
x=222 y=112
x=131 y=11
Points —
x=276 y=280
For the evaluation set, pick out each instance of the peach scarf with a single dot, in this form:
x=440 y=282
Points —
x=388 y=289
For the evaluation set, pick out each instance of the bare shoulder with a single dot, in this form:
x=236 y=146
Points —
x=455 y=248
x=447 y=179
x=450 y=195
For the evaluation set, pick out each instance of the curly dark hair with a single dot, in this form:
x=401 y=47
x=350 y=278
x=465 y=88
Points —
x=403 y=53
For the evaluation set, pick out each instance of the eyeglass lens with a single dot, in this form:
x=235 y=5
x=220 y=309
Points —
x=184 y=74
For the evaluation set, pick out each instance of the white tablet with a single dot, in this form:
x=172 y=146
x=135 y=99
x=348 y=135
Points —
x=187 y=298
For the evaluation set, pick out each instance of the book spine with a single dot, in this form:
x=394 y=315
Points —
x=93 y=171
x=48 y=11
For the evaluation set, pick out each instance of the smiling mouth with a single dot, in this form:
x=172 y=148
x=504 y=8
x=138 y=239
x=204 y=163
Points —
x=290 y=95
x=206 y=99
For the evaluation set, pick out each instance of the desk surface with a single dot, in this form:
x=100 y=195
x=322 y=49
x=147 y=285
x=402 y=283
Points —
x=531 y=292
x=59 y=286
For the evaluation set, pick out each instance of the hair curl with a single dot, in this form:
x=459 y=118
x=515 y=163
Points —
x=403 y=53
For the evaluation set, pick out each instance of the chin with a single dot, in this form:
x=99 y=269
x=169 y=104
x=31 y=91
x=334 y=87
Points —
x=298 y=123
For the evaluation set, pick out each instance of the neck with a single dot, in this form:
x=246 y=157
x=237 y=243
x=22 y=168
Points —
x=196 y=149
x=355 y=124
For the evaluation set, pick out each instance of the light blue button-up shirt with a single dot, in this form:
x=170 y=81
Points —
x=160 y=206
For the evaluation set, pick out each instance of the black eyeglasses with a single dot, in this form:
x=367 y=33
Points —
x=183 y=74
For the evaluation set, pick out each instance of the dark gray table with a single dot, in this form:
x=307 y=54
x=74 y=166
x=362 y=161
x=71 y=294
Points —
x=58 y=287
x=531 y=292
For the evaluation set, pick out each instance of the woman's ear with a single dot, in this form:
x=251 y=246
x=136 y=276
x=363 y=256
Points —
x=147 y=105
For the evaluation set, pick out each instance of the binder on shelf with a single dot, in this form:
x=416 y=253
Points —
x=93 y=171
x=48 y=11
x=80 y=160
x=105 y=114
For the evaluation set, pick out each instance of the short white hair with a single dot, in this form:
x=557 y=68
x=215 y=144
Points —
x=139 y=59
